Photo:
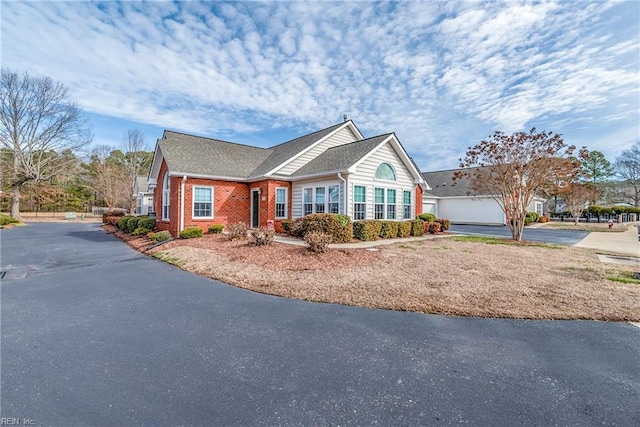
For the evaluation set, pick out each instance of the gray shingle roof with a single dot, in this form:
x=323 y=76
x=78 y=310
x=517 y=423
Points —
x=205 y=156
x=213 y=157
x=141 y=184
x=340 y=158
x=443 y=185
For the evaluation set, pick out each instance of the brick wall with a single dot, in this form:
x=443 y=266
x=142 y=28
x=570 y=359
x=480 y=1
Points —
x=418 y=200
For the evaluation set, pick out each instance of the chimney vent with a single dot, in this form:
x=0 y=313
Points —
x=345 y=117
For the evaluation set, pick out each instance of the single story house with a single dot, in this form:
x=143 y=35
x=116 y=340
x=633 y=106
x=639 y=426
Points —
x=457 y=201
x=199 y=181
x=143 y=196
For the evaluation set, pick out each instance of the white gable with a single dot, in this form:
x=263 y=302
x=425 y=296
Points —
x=343 y=136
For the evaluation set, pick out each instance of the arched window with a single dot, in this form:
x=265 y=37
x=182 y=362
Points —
x=385 y=171
x=166 y=193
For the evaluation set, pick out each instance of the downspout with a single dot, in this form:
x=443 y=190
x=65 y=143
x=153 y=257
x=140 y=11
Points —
x=345 y=210
x=184 y=179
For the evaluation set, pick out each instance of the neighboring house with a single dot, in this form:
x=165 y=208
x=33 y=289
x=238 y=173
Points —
x=143 y=196
x=200 y=181
x=457 y=201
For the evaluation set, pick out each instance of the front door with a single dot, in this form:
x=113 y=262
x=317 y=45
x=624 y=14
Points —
x=255 y=208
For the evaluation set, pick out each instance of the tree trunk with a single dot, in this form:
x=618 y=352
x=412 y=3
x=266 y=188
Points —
x=15 y=201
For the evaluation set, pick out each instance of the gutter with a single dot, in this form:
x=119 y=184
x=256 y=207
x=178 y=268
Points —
x=345 y=193
x=184 y=179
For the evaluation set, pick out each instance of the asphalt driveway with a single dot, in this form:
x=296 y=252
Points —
x=545 y=235
x=94 y=333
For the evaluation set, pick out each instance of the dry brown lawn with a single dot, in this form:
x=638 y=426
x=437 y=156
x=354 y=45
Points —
x=592 y=226
x=442 y=276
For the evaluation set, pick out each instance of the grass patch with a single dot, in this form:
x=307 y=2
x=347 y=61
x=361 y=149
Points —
x=602 y=227
x=407 y=247
x=501 y=241
x=624 y=277
x=163 y=256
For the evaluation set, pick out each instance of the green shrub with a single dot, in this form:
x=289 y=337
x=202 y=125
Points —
x=444 y=223
x=295 y=228
x=427 y=217
x=317 y=241
x=191 y=232
x=417 y=227
x=6 y=219
x=286 y=225
x=262 y=236
x=404 y=229
x=237 y=231
x=122 y=222
x=367 y=230
x=161 y=236
x=339 y=227
x=141 y=231
x=146 y=222
x=132 y=224
x=389 y=229
x=215 y=229
x=532 y=217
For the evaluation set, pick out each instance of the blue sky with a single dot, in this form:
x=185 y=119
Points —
x=441 y=75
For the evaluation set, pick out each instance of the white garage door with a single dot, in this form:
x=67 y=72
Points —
x=471 y=211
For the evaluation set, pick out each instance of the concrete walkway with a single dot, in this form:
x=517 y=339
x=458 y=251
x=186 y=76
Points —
x=625 y=243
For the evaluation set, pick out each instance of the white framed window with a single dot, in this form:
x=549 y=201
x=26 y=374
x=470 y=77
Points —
x=386 y=172
x=391 y=203
x=307 y=201
x=359 y=202
x=378 y=206
x=406 y=205
x=166 y=194
x=320 y=200
x=202 y=202
x=333 y=199
x=281 y=203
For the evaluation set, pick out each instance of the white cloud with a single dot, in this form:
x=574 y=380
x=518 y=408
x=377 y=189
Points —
x=442 y=75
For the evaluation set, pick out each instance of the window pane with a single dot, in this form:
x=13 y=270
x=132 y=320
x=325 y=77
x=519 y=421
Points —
x=281 y=195
x=359 y=194
x=391 y=196
x=320 y=195
x=385 y=171
x=308 y=195
x=334 y=192
x=379 y=195
x=201 y=194
x=406 y=197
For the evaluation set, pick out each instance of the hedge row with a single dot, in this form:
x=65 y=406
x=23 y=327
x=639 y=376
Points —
x=372 y=229
x=130 y=224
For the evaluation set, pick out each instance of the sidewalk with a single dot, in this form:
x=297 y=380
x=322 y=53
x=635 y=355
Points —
x=625 y=243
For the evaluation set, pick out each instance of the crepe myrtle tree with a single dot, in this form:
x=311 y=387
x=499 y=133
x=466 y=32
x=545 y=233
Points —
x=577 y=196
x=512 y=169
x=37 y=121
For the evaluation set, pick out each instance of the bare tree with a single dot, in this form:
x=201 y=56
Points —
x=512 y=169
x=627 y=167
x=136 y=159
x=109 y=177
x=37 y=121
x=577 y=195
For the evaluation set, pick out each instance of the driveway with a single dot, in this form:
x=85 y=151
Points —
x=564 y=237
x=94 y=333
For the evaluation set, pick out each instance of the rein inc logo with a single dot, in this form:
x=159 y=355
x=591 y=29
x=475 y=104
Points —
x=7 y=421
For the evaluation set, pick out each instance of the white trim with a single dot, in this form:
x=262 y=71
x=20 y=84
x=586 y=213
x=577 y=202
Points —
x=404 y=157
x=214 y=177
x=193 y=202
x=156 y=164
x=286 y=203
x=182 y=184
x=257 y=190
x=165 y=200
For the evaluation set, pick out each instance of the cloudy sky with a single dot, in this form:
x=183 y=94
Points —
x=442 y=75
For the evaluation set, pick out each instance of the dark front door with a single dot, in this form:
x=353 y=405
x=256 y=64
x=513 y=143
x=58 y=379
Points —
x=255 y=208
